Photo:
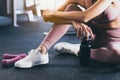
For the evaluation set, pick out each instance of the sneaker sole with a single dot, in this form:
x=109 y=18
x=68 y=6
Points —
x=35 y=64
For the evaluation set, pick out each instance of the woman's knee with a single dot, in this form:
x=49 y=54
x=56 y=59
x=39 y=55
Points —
x=115 y=47
x=100 y=54
x=109 y=54
x=72 y=7
x=114 y=57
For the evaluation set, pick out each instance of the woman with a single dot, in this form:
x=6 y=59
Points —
x=101 y=15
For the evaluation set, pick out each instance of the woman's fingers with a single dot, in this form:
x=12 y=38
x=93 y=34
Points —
x=87 y=30
x=83 y=30
x=79 y=31
x=47 y=15
x=90 y=32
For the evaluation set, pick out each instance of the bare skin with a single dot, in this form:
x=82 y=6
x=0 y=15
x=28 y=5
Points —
x=61 y=17
x=97 y=8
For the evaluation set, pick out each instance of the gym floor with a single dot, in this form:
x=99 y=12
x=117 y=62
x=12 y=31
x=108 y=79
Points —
x=28 y=35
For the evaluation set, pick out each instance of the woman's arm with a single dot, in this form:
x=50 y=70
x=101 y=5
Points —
x=62 y=9
x=58 y=20
x=96 y=9
x=47 y=14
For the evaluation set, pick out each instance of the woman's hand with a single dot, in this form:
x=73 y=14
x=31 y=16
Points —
x=48 y=15
x=82 y=29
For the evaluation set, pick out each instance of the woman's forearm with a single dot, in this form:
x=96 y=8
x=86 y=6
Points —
x=71 y=15
x=60 y=21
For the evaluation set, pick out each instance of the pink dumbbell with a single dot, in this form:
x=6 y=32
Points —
x=10 y=56
x=7 y=62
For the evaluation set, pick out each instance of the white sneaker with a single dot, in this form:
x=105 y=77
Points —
x=65 y=47
x=34 y=58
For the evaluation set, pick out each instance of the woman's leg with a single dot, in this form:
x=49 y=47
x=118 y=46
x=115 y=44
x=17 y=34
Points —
x=56 y=32
x=108 y=54
x=100 y=54
x=36 y=57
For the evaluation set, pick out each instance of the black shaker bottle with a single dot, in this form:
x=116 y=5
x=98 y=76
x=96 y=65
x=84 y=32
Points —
x=84 y=52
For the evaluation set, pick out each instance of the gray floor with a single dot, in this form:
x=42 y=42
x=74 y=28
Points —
x=61 y=67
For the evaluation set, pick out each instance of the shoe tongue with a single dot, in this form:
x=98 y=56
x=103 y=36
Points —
x=32 y=53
